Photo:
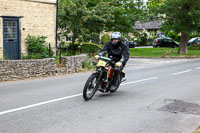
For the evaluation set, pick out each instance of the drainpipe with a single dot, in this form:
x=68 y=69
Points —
x=56 y=22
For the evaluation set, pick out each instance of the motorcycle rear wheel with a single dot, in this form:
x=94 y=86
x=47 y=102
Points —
x=90 y=87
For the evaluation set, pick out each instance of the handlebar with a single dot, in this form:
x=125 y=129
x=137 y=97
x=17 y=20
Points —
x=104 y=58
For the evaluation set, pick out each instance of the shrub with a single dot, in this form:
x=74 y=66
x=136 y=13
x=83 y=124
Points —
x=173 y=35
x=84 y=47
x=87 y=64
x=105 y=38
x=90 y=48
x=37 y=47
x=194 y=35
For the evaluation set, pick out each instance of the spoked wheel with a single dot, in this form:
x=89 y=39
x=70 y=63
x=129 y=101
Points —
x=90 y=87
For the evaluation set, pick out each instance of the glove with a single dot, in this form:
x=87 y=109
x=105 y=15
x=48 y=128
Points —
x=96 y=57
x=118 y=64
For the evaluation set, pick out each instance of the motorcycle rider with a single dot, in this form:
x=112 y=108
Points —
x=118 y=52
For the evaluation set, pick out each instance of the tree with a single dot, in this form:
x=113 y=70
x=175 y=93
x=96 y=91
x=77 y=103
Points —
x=83 y=18
x=125 y=14
x=180 y=16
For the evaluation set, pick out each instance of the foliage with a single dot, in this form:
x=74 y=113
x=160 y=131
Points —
x=37 y=47
x=194 y=34
x=88 y=64
x=179 y=16
x=84 y=47
x=84 y=19
x=142 y=37
x=125 y=14
x=173 y=35
x=105 y=38
x=90 y=48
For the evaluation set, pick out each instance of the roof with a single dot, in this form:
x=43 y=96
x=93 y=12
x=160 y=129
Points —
x=153 y=25
x=43 y=1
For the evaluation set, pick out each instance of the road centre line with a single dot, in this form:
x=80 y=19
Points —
x=63 y=98
x=38 y=104
x=198 y=68
x=182 y=72
x=138 y=81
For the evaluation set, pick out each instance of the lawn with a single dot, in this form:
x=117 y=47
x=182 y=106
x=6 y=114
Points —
x=161 y=52
x=148 y=52
x=191 y=53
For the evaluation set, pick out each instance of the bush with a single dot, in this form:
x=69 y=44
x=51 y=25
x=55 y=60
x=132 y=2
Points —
x=90 y=48
x=194 y=35
x=105 y=38
x=37 y=47
x=84 y=47
x=87 y=64
x=174 y=36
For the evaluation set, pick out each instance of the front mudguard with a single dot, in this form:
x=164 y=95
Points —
x=96 y=71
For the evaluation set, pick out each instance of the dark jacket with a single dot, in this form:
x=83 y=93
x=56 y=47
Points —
x=119 y=52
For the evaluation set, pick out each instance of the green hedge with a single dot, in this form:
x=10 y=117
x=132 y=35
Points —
x=104 y=39
x=84 y=47
x=90 y=48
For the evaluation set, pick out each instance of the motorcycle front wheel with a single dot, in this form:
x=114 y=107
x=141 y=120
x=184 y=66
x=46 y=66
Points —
x=90 y=87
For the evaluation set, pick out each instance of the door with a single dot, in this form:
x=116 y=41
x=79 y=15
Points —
x=11 y=43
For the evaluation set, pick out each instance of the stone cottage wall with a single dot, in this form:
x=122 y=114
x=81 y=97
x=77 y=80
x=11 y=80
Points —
x=37 y=18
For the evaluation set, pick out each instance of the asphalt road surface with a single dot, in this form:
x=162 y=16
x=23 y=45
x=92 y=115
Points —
x=159 y=96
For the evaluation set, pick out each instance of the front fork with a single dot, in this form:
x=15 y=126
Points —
x=102 y=81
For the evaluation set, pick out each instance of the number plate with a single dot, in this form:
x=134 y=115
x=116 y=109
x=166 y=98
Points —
x=196 y=45
x=101 y=63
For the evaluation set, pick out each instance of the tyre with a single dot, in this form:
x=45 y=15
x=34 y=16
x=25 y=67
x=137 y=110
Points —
x=90 y=87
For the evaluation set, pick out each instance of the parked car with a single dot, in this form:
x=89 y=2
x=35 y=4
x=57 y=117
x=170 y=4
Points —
x=130 y=44
x=165 y=42
x=194 y=42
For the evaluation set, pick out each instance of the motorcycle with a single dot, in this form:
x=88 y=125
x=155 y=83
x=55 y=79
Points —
x=102 y=79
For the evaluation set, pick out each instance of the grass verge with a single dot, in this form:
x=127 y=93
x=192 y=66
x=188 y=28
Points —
x=162 y=53
x=148 y=52
x=191 y=53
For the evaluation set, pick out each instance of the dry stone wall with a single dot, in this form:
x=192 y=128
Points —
x=24 y=69
x=72 y=64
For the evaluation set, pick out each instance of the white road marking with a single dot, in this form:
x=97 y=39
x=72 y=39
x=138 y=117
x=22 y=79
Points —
x=62 y=98
x=138 y=81
x=198 y=68
x=182 y=72
x=38 y=104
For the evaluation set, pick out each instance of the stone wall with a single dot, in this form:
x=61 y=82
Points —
x=24 y=69
x=37 y=18
x=71 y=64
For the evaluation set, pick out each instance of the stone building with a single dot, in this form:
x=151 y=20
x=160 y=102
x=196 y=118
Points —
x=18 y=18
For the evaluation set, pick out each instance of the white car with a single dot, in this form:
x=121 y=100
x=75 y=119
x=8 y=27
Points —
x=194 y=42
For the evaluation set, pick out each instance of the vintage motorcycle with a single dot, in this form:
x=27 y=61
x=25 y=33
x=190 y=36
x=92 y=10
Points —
x=102 y=79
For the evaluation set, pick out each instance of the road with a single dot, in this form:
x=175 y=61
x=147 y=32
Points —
x=150 y=101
